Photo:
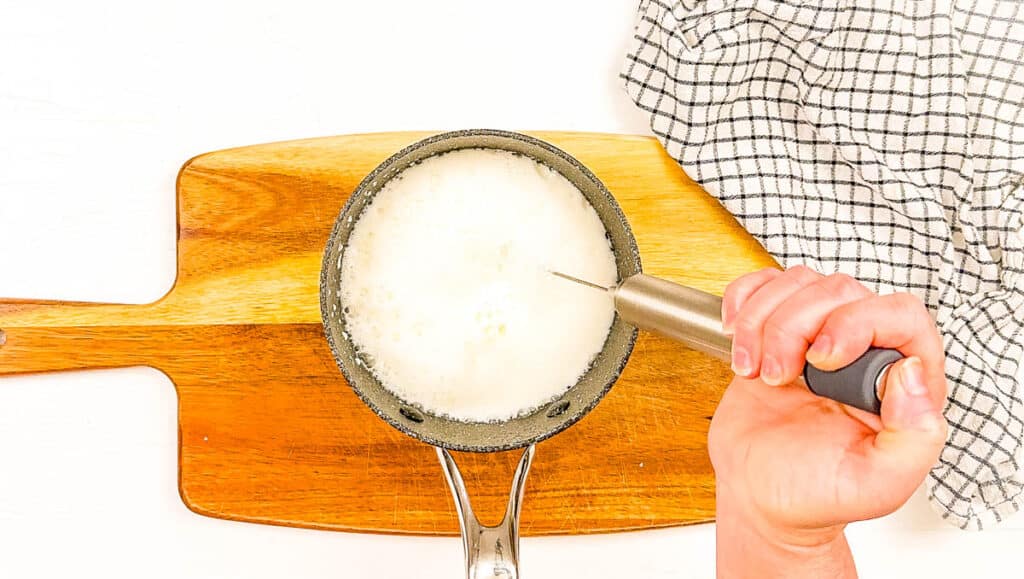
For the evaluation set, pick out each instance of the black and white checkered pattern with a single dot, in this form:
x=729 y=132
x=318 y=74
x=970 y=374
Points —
x=883 y=139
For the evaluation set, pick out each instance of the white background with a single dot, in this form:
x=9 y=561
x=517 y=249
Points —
x=101 y=102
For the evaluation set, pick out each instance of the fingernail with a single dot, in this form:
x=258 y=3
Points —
x=740 y=361
x=820 y=349
x=771 y=371
x=913 y=407
x=912 y=377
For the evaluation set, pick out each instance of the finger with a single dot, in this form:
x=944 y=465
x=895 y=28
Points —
x=750 y=319
x=912 y=436
x=794 y=325
x=737 y=293
x=898 y=321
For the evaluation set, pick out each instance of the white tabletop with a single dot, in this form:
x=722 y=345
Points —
x=100 y=104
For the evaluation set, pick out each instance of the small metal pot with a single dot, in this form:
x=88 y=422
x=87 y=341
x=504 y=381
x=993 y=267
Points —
x=490 y=551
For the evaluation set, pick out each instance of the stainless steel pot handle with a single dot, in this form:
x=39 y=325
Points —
x=491 y=552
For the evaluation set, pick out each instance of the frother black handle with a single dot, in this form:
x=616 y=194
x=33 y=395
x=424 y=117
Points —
x=857 y=384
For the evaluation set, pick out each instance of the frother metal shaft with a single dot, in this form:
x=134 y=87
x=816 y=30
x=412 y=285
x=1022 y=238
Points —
x=682 y=313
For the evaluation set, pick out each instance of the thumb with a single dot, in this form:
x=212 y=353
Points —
x=908 y=409
x=913 y=428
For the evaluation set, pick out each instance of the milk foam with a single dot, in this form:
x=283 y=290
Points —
x=446 y=290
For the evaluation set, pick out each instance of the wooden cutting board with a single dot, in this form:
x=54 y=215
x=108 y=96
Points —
x=270 y=432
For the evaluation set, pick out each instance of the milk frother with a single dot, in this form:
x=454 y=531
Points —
x=694 y=318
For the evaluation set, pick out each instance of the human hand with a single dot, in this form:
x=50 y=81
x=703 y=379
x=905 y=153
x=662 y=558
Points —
x=793 y=468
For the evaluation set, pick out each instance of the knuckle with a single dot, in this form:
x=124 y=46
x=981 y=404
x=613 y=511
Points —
x=728 y=296
x=742 y=288
x=775 y=331
x=841 y=318
x=909 y=301
x=741 y=282
x=936 y=438
x=800 y=271
x=747 y=327
x=801 y=275
x=844 y=284
x=780 y=341
x=750 y=279
x=731 y=289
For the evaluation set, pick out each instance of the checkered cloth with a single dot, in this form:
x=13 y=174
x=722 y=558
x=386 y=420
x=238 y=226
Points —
x=883 y=139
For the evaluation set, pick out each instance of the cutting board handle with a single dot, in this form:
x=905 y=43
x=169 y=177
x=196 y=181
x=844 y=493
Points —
x=58 y=336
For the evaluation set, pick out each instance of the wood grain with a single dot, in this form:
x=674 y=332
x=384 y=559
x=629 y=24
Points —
x=269 y=430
